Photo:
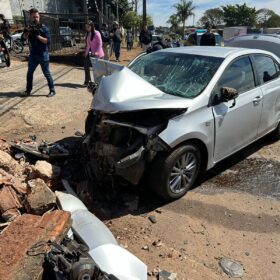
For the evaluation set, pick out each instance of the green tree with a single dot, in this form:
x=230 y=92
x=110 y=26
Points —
x=213 y=16
x=273 y=21
x=174 y=22
x=239 y=15
x=149 y=21
x=130 y=20
x=184 y=10
x=263 y=16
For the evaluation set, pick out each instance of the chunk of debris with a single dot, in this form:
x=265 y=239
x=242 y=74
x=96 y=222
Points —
x=152 y=219
x=46 y=171
x=40 y=197
x=8 y=180
x=9 y=204
x=146 y=248
x=165 y=275
x=9 y=164
x=231 y=267
x=157 y=243
x=24 y=232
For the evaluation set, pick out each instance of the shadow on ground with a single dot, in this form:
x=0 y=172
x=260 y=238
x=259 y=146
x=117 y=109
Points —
x=69 y=85
x=236 y=173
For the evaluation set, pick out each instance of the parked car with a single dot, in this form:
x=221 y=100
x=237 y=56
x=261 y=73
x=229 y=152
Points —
x=194 y=39
x=268 y=42
x=175 y=113
x=67 y=36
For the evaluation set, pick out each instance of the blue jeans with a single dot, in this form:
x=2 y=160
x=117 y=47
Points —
x=117 y=49
x=87 y=69
x=33 y=62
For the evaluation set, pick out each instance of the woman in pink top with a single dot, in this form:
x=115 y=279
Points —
x=93 y=48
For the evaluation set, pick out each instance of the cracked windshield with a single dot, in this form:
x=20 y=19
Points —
x=177 y=74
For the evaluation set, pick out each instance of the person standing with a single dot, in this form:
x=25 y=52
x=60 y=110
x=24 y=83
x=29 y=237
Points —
x=5 y=28
x=106 y=41
x=116 y=35
x=145 y=38
x=93 y=48
x=208 y=38
x=39 y=40
x=129 y=40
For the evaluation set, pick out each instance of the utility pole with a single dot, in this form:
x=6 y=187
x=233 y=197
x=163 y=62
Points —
x=118 y=18
x=144 y=12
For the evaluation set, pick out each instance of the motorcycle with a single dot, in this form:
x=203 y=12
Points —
x=4 y=54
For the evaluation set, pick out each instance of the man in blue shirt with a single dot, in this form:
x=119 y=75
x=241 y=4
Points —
x=39 y=40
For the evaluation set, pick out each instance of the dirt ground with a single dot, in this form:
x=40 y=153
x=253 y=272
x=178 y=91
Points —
x=234 y=213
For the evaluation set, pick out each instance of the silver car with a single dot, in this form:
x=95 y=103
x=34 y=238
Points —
x=173 y=114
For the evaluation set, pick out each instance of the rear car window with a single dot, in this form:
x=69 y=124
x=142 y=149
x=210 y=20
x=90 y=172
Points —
x=267 y=69
x=183 y=75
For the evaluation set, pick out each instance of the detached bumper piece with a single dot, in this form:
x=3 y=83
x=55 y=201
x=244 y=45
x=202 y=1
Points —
x=101 y=245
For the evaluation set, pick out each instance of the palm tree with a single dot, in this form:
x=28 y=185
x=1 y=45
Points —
x=184 y=9
x=174 y=21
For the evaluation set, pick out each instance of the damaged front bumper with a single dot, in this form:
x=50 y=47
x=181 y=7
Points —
x=118 y=147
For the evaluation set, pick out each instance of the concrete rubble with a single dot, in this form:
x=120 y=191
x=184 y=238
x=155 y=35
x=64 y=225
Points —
x=27 y=213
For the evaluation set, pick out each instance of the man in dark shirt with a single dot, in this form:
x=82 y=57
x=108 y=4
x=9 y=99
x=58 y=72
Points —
x=39 y=40
x=145 y=38
x=208 y=38
x=5 y=28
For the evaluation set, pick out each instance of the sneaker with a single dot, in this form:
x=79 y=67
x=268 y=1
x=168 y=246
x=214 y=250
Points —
x=26 y=93
x=51 y=94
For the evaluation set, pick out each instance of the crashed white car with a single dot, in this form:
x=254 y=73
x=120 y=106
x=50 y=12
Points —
x=175 y=113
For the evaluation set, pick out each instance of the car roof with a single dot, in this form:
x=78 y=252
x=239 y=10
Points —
x=216 y=51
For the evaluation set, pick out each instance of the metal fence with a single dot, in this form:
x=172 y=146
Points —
x=67 y=30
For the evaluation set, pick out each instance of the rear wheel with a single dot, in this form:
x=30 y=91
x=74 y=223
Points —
x=17 y=46
x=172 y=175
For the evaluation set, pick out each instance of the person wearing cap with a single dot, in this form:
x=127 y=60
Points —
x=116 y=35
x=208 y=38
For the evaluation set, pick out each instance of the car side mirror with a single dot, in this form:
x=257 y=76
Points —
x=228 y=93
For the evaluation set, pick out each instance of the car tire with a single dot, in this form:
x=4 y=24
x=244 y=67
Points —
x=276 y=133
x=89 y=122
x=182 y=165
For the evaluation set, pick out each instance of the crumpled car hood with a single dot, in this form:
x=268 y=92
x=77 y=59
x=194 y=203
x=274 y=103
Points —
x=125 y=91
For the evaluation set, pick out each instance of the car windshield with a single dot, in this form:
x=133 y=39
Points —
x=183 y=75
x=64 y=31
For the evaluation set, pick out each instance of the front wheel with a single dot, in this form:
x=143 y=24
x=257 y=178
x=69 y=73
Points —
x=172 y=175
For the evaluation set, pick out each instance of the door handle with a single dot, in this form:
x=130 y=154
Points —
x=257 y=100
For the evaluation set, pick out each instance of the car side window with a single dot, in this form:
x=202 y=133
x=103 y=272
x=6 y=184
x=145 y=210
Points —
x=267 y=69
x=238 y=75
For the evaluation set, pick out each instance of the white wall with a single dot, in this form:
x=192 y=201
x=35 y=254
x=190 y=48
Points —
x=5 y=8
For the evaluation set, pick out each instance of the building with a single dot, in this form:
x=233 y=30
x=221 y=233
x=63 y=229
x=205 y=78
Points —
x=47 y=6
x=5 y=9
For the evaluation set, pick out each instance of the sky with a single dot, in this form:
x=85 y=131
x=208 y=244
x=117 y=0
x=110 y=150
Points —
x=160 y=10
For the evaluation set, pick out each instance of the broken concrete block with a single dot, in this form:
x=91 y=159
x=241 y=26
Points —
x=46 y=170
x=231 y=267
x=8 y=163
x=40 y=197
x=21 y=235
x=165 y=275
x=7 y=179
x=9 y=204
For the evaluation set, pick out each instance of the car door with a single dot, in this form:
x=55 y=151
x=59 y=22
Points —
x=237 y=121
x=268 y=71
